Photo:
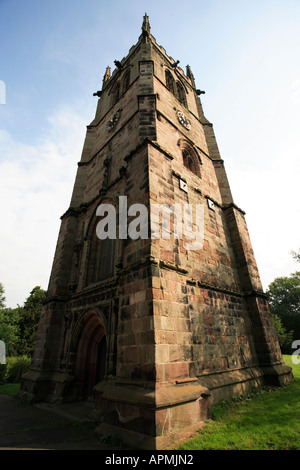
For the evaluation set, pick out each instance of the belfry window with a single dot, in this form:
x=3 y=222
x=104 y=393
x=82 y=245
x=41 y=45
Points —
x=190 y=159
x=181 y=94
x=126 y=81
x=116 y=94
x=170 y=82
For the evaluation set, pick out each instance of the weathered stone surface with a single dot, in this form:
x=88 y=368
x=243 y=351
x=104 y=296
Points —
x=155 y=331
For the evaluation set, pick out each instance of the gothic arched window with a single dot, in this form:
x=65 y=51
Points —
x=188 y=161
x=190 y=158
x=126 y=81
x=101 y=258
x=116 y=93
x=181 y=94
x=170 y=82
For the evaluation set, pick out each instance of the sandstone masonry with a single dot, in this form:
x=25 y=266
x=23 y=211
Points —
x=154 y=332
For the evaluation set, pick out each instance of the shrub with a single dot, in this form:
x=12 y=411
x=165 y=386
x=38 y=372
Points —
x=14 y=368
x=2 y=373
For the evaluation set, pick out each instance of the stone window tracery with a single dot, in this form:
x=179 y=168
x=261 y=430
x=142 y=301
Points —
x=176 y=88
x=170 y=82
x=101 y=258
x=116 y=93
x=181 y=94
x=190 y=157
x=126 y=81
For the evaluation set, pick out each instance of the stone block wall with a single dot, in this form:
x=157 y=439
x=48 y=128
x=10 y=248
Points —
x=183 y=327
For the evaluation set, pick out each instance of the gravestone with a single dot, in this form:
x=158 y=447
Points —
x=2 y=352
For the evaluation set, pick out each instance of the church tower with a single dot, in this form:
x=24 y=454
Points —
x=153 y=324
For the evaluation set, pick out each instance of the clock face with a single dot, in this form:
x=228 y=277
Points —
x=113 y=120
x=183 y=120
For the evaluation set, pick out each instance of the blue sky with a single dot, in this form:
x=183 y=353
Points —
x=245 y=55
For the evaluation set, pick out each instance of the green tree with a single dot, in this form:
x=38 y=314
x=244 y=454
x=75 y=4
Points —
x=296 y=255
x=29 y=316
x=285 y=337
x=284 y=301
x=9 y=329
x=9 y=320
x=2 y=298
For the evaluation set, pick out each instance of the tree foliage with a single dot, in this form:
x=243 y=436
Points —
x=9 y=328
x=284 y=301
x=29 y=316
x=8 y=323
x=296 y=255
x=285 y=337
x=18 y=326
x=2 y=297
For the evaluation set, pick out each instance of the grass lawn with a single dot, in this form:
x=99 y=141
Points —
x=264 y=420
x=9 y=389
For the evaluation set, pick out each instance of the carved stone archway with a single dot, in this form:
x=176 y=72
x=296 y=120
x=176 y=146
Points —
x=90 y=346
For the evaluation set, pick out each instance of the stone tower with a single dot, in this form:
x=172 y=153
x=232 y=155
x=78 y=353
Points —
x=152 y=329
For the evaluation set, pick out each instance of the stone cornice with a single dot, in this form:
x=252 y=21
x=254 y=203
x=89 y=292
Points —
x=233 y=205
x=75 y=211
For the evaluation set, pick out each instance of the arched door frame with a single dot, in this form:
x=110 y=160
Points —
x=89 y=331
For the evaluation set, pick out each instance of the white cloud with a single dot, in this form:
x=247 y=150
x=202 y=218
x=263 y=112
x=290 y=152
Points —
x=250 y=71
x=256 y=117
x=270 y=198
x=35 y=188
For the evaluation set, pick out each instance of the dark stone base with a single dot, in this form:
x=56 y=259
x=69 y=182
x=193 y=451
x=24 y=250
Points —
x=157 y=415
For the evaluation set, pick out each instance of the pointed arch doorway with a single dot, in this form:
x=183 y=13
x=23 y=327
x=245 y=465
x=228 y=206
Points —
x=91 y=352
